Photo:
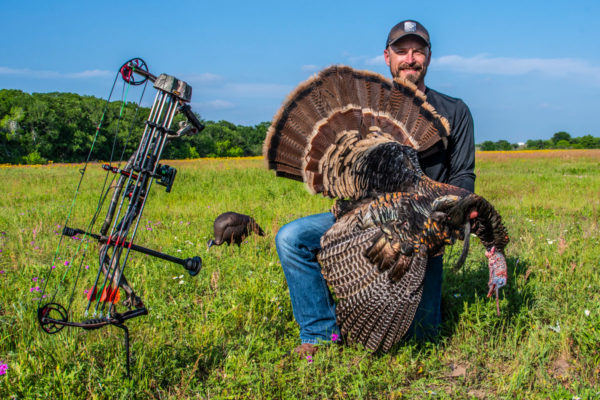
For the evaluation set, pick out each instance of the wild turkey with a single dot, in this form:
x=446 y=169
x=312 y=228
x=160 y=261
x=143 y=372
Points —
x=356 y=136
x=231 y=227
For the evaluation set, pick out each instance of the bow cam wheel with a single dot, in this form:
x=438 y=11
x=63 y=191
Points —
x=127 y=71
x=50 y=317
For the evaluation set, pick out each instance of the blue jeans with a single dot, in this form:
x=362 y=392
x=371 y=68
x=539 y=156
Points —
x=314 y=309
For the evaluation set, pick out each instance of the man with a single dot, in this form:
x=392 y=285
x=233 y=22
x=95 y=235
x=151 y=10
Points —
x=408 y=54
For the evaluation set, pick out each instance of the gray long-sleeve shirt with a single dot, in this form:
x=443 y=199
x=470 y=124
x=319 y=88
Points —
x=456 y=165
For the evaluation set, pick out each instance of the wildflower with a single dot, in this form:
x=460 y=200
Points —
x=2 y=271
x=309 y=358
x=148 y=228
x=34 y=279
x=87 y=267
x=66 y=263
x=3 y=368
x=181 y=282
x=334 y=337
x=34 y=289
x=54 y=266
x=587 y=313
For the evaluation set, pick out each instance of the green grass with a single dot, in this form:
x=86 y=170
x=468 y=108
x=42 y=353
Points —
x=226 y=332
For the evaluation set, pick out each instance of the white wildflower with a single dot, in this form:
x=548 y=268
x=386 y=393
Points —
x=555 y=328
x=586 y=312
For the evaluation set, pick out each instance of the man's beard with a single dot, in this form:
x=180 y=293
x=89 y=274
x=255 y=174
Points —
x=414 y=78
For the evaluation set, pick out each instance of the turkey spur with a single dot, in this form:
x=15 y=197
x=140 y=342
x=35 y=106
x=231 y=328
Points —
x=357 y=137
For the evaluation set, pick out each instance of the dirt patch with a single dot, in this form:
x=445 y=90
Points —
x=458 y=370
x=560 y=368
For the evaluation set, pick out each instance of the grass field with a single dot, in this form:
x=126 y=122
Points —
x=226 y=332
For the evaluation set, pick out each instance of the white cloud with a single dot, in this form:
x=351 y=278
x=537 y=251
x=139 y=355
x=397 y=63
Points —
x=214 y=104
x=258 y=89
x=205 y=77
x=43 y=74
x=310 y=68
x=484 y=64
x=379 y=60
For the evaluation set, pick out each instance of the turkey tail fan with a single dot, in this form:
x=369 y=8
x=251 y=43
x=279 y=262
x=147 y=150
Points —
x=336 y=117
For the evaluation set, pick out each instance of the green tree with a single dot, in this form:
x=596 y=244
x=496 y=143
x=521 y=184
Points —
x=488 y=145
x=589 y=142
x=503 y=145
x=10 y=132
x=558 y=136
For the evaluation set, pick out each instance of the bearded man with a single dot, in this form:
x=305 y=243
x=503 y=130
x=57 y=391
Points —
x=408 y=54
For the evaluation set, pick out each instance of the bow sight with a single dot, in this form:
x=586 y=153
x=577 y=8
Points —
x=130 y=185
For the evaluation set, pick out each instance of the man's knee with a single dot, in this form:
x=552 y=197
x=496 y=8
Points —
x=286 y=237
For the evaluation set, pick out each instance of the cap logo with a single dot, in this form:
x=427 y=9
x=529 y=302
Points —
x=410 y=26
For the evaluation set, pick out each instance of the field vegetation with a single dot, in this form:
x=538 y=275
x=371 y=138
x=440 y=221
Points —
x=227 y=333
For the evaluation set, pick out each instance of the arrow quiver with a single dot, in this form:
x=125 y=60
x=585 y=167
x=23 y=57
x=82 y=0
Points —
x=67 y=287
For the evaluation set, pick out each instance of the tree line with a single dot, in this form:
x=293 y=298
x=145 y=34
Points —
x=560 y=140
x=61 y=127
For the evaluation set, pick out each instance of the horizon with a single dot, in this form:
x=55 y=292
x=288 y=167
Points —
x=525 y=72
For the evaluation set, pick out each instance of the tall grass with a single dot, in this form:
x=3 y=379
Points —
x=226 y=333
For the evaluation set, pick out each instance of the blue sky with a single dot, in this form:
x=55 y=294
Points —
x=527 y=69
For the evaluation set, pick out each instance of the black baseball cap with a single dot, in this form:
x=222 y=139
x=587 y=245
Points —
x=406 y=28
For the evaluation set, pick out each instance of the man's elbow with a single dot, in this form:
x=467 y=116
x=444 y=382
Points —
x=465 y=181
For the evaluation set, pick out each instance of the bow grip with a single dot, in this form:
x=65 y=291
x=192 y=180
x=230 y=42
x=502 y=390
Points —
x=187 y=111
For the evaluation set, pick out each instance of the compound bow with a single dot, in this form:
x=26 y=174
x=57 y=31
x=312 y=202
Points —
x=123 y=214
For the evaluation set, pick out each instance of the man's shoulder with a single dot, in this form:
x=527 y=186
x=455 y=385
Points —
x=441 y=101
x=452 y=108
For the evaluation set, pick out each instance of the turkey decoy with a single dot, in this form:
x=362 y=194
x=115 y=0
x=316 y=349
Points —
x=356 y=136
x=231 y=227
